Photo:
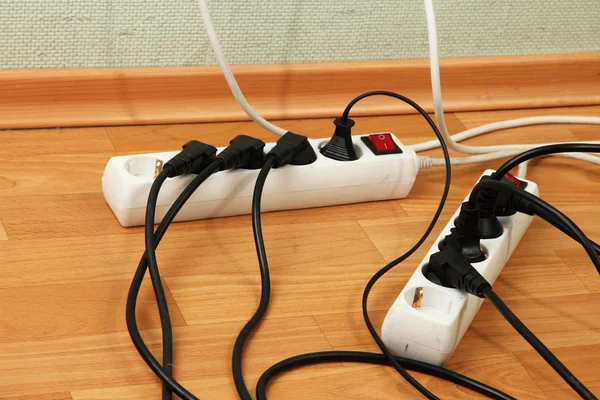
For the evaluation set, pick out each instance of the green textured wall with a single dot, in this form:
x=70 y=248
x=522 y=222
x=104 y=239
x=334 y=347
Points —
x=111 y=33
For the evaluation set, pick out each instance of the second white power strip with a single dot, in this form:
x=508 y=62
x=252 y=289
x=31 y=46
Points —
x=374 y=176
x=431 y=331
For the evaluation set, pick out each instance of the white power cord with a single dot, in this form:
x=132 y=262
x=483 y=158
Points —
x=485 y=153
x=233 y=85
x=512 y=123
x=428 y=162
x=522 y=172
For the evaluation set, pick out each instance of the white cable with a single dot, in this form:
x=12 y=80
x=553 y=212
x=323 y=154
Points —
x=432 y=162
x=434 y=67
x=233 y=85
x=512 y=123
x=450 y=140
x=522 y=173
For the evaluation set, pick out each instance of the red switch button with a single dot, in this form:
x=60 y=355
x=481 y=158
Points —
x=515 y=180
x=381 y=143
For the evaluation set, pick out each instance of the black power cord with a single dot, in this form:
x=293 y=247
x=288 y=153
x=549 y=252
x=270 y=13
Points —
x=288 y=147
x=401 y=370
x=373 y=358
x=352 y=356
x=136 y=283
x=546 y=354
x=199 y=158
x=544 y=151
x=265 y=285
x=159 y=292
x=192 y=158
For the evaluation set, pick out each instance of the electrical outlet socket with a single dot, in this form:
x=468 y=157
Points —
x=431 y=331
x=127 y=181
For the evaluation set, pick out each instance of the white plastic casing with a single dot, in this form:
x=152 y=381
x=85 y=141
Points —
x=431 y=333
x=127 y=180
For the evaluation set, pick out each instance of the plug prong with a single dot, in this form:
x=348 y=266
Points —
x=418 y=297
x=158 y=167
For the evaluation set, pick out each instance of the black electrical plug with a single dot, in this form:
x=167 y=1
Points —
x=243 y=152
x=465 y=235
x=493 y=204
x=293 y=149
x=489 y=224
x=194 y=157
x=340 y=146
x=450 y=268
x=504 y=199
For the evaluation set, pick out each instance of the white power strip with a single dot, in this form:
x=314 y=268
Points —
x=432 y=332
x=127 y=181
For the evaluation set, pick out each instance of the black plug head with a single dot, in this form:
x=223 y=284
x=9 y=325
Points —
x=305 y=157
x=243 y=152
x=194 y=157
x=340 y=146
x=294 y=149
x=489 y=224
x=469 y=246
x=490 y=227
x=465 y=235
x=450 y=268
x=504 y=200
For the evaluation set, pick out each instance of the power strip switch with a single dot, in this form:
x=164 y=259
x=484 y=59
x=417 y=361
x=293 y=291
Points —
x=427 y=321
x=385 y=169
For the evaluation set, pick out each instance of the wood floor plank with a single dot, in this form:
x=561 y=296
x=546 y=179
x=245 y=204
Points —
x=348 y=382
x=51 y=396
x=218 y=249
x=327 y=382
x=579 y=261
x=347 y=330
x=51 y=174
x=3 y=235
x=580 y=360
x=39 y=312
x=54 y=141
x=91 y=262
x=313 y=291
x=312 y=268
x=75 y=363
x=537 y=273
x=560 y=321
x=49 y=216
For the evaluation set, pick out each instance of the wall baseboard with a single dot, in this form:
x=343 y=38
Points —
x=127 y=96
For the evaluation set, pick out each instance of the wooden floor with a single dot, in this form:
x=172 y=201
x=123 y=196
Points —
x=67 y=264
